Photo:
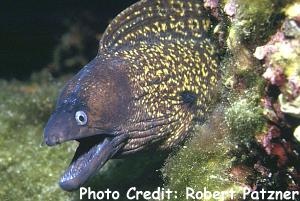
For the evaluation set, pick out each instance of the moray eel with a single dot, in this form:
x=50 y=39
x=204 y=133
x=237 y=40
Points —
x=156 y=70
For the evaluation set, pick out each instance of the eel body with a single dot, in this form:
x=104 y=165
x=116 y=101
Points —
x=156 y=71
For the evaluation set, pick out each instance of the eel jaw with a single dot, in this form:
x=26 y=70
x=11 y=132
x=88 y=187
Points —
x=91 y=154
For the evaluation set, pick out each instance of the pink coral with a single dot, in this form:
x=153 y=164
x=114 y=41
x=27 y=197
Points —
x=265 y=51
x=230 y=8
x=275 y=76
x=212 y=4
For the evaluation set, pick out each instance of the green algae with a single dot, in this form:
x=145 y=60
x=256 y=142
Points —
x=28 y=170
x=255 y=20
x=288 y=57
x=244 y=117
x=208 y=158
x=203 y=161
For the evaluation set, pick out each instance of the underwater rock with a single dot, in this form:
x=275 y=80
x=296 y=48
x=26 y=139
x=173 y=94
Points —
x=292 y=107
x=297 y=133
x=281 y=57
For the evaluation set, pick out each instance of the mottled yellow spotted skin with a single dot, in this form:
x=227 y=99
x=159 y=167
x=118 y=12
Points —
x=167 y=51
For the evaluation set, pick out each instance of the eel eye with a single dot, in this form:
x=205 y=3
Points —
x=81 y=118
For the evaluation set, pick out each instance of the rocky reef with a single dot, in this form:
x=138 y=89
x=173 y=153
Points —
x=252 y=137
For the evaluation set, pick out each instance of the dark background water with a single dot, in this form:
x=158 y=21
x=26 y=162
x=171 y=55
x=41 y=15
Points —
x=30 y=30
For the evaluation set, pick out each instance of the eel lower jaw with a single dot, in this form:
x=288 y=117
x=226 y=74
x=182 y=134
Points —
x=91 y=154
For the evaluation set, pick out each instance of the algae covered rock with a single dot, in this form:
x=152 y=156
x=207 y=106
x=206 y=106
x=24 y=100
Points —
x=260 y=146
x=217 y=155
x=28 y=169
x=204 y=161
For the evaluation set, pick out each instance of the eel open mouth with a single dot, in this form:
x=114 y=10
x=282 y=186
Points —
x=91 y=155
x=96 y=146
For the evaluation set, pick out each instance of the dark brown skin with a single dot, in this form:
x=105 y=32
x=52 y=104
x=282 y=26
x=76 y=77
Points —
x=156 y=71
x=95 y=86
x=103 y=85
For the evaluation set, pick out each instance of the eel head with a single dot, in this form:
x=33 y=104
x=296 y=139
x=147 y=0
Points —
x=90 y=109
